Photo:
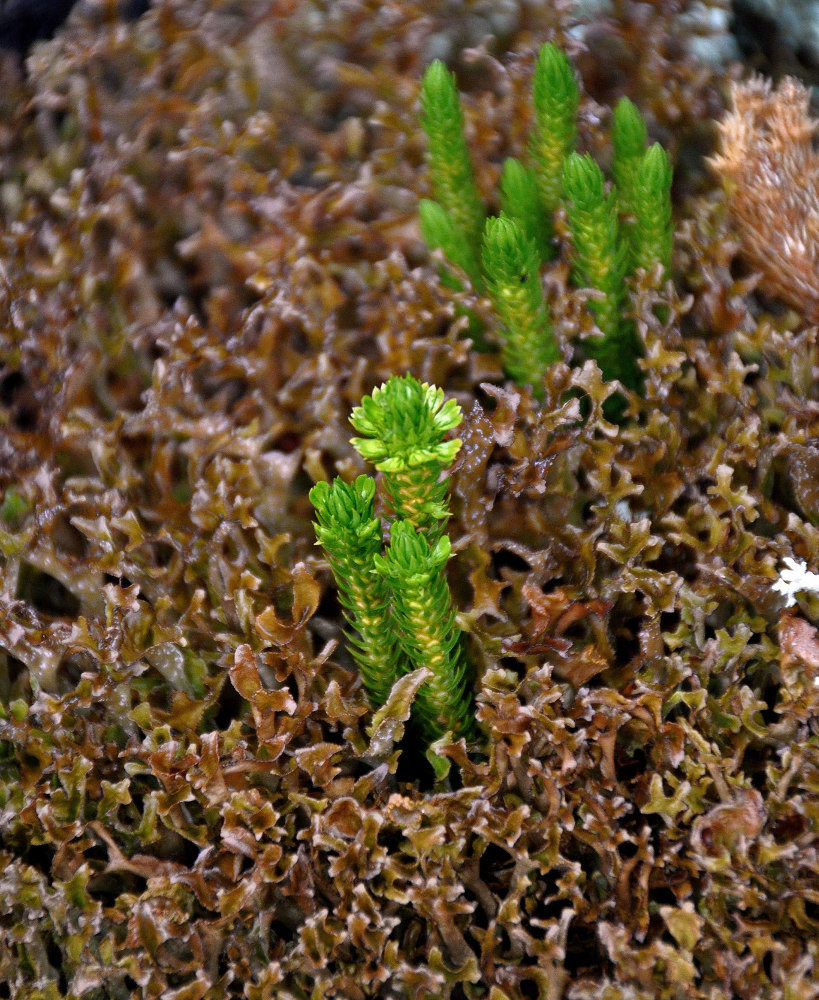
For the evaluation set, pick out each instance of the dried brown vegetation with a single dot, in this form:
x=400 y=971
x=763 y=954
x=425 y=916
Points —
x=209 y=253
x=771 y=172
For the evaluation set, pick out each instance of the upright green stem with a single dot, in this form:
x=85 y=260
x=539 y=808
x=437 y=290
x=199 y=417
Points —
x=653 y=237
x=600 y=263
x=439 y=231
x=450 y=165
x=512 y=267
x=425 y=619
x=628 y=136
x=520 y=200
x=643 y=180
x=556 y=98
x=351 y=537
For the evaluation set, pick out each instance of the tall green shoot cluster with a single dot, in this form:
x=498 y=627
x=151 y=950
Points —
x=512 y=265
x=396 y=598
x=454 y=221
x=614 y=229
x=642 y=180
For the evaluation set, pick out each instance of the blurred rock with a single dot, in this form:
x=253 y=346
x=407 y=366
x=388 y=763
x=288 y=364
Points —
x=779 y=36
x=24 y=22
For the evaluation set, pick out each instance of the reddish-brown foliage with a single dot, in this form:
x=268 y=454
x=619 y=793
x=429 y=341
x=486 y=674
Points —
x=209 y=254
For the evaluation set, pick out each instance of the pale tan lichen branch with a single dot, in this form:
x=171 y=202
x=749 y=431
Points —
x=771 y=175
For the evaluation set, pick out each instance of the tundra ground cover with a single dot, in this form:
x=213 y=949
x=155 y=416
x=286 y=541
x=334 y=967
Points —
x=210 y=254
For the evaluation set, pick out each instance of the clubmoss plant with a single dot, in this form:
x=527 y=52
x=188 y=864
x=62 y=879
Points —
x=512 y=266
x=403 y=424
x=440 y=232
x=450 y=165
x=612 y=232
x=599 y=262
x=520 y=200
x=350 y=535
x=628 y=139
x=642 y=180
x=556 y=98
x=399 y=603
x=652 y=237
x=425 y=622
x=599 y=253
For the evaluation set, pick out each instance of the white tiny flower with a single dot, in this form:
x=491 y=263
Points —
x=796 y=578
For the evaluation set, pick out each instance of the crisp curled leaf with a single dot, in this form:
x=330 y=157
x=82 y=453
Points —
x=387 y=725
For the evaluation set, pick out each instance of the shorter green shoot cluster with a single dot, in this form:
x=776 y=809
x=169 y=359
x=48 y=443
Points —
x=614 y=230
x=396 y=599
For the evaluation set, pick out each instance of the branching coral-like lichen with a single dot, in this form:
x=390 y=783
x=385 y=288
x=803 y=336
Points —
x=771 y=175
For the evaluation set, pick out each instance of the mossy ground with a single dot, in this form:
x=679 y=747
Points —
x=210 y=252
